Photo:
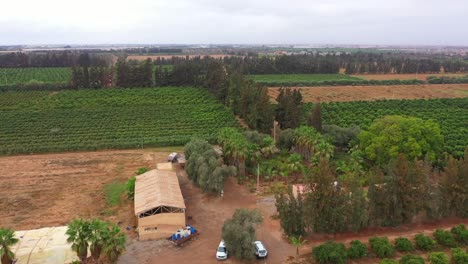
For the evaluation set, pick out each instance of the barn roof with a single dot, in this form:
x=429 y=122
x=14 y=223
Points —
x=157 y=188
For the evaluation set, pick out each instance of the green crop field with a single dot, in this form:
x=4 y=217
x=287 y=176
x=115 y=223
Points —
x=451 y=114
x=40 y=121
x=286 y=78
x=10 y=76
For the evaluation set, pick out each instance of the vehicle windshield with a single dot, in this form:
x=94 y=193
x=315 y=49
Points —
x=222 y=249
x=262 y=251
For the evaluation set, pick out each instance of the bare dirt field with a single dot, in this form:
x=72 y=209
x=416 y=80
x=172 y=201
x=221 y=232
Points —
x=154 y=57
x=52 y=189
x=422 y=76
x=380 y=92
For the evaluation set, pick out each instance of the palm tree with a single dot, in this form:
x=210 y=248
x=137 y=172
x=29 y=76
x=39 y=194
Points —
x=98 y=231
x=114 y=243
x=297 y=242
x=7 y=239
x=79 y=232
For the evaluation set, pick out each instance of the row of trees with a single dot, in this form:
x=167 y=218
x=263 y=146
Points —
x=401 y=187
x=205 y=168
x=96 y=236
x=51 y=59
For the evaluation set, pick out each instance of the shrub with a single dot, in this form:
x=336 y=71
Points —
x=130 y=188
x=461 y=234
x=330 y=252
x=357 y=250
x=411 y=259
x=381 y=246
x=388 y=261
x=403 y=244
x=444 y=238
x=438 y=258
x=459 y=256
x=141 y=170
x=424 y=242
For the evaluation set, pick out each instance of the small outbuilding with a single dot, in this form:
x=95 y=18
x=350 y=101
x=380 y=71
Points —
x=159 y=204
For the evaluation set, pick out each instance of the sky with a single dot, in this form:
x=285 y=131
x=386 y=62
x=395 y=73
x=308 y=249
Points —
x=377 y=22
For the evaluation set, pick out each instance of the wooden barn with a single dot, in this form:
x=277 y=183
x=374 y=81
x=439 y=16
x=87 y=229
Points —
x=159 y=204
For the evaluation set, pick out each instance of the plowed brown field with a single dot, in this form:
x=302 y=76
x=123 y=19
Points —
x=371 y=93
x=422 y=76
x=52 y=189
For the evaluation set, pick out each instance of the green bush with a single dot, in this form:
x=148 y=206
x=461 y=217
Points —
x=357 y=250
x=424 y=242
x=438 y=258
x=459 y=256
x=141 y=170
x=130 y=188
x=444 y=238
x=388 y=261
x=382 y=247
x=113 y=192
x=411 y=259
x=330 y=252
x=403 y=244
x=461 y=234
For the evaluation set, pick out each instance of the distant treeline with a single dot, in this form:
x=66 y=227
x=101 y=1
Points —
x=356 y=63
x=52 y=59
x=151 y=50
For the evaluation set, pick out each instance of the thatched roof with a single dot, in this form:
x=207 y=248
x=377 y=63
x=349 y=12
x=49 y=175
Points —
x=157 y=188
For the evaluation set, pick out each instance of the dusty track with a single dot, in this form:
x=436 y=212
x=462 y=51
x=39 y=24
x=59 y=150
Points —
x=371 y=93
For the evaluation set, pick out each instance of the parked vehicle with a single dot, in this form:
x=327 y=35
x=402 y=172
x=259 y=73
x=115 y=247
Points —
x=172 y=157
x=260 y=250
x=222 y=252
x=183 y=235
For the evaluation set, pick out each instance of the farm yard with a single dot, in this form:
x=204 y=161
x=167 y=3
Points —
x=381 y=92
x=10 y=76
x=41 y=121
x=451 y=114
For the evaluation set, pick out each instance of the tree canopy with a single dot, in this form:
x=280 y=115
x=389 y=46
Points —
x=387 y=137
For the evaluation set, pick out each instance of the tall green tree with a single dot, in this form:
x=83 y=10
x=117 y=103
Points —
x=7 y=239
x=291 y=213
x=389 y=136
x=315 y=117
x=98 y=232
x=79 y=233
x=239 y=232
x=114 y=243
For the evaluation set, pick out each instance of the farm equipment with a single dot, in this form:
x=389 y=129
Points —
x=183 y=235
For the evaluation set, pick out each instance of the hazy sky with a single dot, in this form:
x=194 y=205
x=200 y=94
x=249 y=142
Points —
x=418 y=22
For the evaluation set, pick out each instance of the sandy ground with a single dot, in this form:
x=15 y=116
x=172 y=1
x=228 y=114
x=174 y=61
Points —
x=422 y=76
x=52 y=189
x=154 y=57
x=371 y=93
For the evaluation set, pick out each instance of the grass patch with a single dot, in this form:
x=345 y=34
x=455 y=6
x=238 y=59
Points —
x=113 y=192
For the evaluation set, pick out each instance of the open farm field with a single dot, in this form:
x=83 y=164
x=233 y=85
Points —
x=53 y=189
x=155 y=57
x=421 y=76
x=380 y=92
x=286 y=78
x=451 y=114
x=39 y=121
x=10 y=76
